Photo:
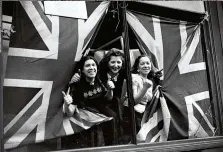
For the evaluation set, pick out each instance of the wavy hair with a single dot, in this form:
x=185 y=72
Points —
x=104 y=62
x=136 y=64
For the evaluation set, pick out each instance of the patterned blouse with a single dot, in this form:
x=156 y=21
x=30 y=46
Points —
x=137 y=86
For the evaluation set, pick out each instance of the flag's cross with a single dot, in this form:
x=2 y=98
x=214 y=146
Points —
x=28 y=67
x=64 y=39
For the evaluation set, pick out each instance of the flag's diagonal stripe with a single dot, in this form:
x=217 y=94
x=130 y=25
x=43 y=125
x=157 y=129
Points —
x=67 y=126
x=203 y=126
x=94 y=18
x=147 y=38
x=50 y=39
x=35 y=120
x=38 y=119
x=21 y=113
x=25 y=84
x=37 y=22
x=84 y=28
x=41 y=5
x=196 y=129
x=187 y=53
x=204 y=116
x=42 y=111
x=148 y=126
x=194 y=124
x=44 y=17
x=159 y=134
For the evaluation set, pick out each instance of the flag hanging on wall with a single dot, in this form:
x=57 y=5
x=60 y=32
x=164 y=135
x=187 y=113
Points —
x=180 y=108
x=41 y=58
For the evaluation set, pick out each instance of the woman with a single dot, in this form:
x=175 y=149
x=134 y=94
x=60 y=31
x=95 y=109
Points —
x=142 y=86
x=90 y=93
x=112 y=69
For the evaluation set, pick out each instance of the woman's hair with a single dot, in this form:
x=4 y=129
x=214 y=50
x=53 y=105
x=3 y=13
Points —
x=80 y=66
x=136 y=65
x=107 y=58
x=84 y=59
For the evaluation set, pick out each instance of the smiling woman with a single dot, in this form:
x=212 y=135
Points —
x=141 y=86
x=91 y=94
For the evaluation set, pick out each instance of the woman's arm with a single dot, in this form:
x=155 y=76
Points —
x=68 y=107
x=138 y=95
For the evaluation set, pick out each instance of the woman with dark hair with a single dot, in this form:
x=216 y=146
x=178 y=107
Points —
x=142 y=86
x=111 y=68
x=90 y=93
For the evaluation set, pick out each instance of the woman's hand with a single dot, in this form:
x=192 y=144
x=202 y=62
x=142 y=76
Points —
x=67 y=98
x=147 y=83
x=76 y=77
x=110 y=85
x=69 y=108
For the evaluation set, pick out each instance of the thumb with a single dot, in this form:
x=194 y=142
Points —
x=79 y=72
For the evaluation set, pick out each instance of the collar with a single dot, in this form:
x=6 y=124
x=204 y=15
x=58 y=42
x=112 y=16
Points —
x=115 y=78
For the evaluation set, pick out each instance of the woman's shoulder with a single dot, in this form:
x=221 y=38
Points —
x=136 y=79
x=136 y=76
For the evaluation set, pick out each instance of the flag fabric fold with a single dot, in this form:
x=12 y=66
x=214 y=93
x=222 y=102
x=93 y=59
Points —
x=180 y=106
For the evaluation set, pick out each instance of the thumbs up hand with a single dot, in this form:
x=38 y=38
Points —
x=76 y=77
x=110 y=85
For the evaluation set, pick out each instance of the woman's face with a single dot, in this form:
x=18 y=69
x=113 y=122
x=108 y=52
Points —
x=90 y=68
x=115 y=64
x=144 y=66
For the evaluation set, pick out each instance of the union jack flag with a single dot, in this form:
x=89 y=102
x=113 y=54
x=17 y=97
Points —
x=180 y=108
x=41 y=58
